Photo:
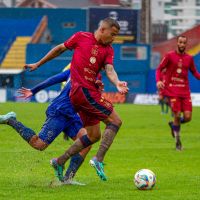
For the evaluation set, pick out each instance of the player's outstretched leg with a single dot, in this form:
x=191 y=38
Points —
x=58 y=169
x=99 y=167
x=4 y=118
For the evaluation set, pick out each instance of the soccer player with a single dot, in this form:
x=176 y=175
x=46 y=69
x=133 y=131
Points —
x=92 y=53
x=163 y=100
x=60 y=117
x=176 y=86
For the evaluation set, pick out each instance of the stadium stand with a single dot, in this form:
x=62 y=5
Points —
x=16 y=34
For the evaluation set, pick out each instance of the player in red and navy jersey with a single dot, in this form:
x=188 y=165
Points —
x=177 y=63
x=92 y=53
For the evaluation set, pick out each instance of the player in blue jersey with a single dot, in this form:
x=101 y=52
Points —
x=61 y=117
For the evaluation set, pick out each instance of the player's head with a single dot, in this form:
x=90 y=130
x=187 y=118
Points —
x=107 y=31
x=181 y=43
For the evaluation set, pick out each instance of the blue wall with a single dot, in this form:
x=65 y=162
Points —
x=56 y=19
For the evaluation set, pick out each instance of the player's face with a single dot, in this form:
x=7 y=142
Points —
x=181 y=44
x=108 y=35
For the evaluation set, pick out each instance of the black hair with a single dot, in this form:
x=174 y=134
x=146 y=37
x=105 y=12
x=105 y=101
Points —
x=181 y=36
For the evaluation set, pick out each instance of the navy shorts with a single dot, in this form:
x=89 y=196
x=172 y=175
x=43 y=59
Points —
x=53 y=126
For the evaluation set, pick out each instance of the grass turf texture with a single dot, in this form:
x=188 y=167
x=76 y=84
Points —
x=144 y=141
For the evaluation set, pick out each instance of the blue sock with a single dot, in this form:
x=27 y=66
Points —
x=74 y=165
x=182 y=120
x=176 y=130
x=24 y=132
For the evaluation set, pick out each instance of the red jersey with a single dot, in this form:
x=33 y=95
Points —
x=88 y=59
x=176 y=76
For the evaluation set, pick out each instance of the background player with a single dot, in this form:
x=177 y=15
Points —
x=176 y=85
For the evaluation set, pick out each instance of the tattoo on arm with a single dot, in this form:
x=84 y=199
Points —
x=111 y=73
x=109 y=68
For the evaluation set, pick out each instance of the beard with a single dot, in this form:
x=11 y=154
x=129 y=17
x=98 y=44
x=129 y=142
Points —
x=181 y=49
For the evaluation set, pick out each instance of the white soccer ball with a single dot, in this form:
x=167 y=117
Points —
x=144 y=179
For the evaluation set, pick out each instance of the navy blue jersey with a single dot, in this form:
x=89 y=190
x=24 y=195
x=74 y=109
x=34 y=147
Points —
x=61 y=115
x=61 y=104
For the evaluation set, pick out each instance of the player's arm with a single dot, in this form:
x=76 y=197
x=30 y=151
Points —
x=193 y=70
x=27 y=93
x=56 y=51
x=163 y=64
x=113 y=77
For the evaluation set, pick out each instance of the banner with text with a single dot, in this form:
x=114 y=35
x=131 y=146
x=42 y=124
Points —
x=128 y=20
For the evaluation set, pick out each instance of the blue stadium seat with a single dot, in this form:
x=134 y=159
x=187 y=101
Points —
x=11 y=28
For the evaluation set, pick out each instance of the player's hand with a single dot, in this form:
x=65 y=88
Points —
x=24 y=93
x=122 y=87
x=100 y=85
x=160 y=85
x=31 y=67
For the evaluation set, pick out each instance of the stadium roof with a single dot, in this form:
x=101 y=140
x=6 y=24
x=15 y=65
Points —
x=67 y=3
x=56 y=4
x=72 y=3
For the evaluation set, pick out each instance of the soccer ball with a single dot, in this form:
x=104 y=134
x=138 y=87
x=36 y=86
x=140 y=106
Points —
x=144 y=179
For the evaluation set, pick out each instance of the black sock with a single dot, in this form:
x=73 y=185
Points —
x=74 y=165
x=24 y=132
x=161 y=102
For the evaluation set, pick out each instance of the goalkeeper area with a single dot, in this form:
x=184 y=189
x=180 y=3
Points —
x=144 y=141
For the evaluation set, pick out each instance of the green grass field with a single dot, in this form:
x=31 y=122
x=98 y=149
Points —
x=144 y=141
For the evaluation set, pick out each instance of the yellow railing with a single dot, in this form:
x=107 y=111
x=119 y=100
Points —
x=16 y=55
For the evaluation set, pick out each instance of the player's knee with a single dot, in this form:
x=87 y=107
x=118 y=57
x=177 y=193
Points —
x=37 y=143
x=80 y=133
x=41 y=147
x=96 y=138
x=187 y=118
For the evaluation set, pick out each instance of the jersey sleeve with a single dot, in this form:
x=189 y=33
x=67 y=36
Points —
x=51 y=81
x=72 y=41
x=193 y=69
x=163 y=64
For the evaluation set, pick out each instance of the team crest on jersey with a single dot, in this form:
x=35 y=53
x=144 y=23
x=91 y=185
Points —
x=179 y=70
x=92 y=60
x=94 y=51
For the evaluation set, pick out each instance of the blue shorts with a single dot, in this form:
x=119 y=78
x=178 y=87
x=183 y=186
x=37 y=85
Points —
x=53 y=126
